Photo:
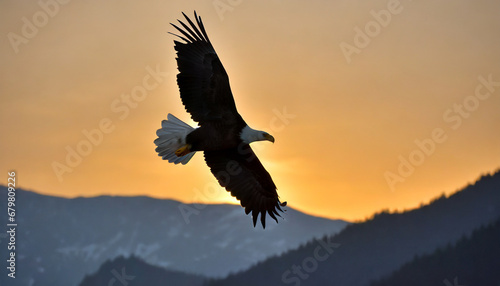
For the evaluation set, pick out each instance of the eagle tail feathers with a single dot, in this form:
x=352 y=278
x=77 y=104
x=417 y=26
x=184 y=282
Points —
x=171 y=137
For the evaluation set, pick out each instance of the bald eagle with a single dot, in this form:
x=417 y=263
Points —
x=222 y=135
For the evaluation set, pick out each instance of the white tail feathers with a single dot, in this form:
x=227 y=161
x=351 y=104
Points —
x=172 y=136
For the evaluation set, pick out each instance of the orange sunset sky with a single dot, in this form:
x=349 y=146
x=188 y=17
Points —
x=374 y=104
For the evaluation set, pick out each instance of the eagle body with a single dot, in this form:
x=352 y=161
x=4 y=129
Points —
x=216 y=135
x=222 y=135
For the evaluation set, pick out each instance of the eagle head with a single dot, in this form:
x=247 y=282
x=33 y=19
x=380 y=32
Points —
x=249 y=135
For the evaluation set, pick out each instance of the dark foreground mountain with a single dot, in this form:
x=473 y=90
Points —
x=368 y=251
x=134 y=271
x=59 y=241
x=471 y=261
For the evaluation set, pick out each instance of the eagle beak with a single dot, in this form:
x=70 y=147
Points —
x=269 y=137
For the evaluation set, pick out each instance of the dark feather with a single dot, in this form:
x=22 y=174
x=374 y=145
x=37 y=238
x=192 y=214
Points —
x=202 y=79
x=242 y=174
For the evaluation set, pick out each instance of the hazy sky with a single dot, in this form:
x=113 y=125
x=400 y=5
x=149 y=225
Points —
x=374 y=104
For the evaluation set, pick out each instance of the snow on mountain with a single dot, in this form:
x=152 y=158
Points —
x=60 y=240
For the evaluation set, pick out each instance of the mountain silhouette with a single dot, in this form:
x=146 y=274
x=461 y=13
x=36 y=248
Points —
x=133 y=271
x=473 y=260
x=371 y=250
x=61 y=240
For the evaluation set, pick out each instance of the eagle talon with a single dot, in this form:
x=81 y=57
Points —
x=184 y=150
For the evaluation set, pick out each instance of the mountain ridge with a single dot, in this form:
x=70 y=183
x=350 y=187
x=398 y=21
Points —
x=79 y=234
x=133 y=271
x=370 y=250
x=472 y=260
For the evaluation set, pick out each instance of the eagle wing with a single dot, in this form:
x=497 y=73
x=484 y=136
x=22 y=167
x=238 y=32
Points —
x=202 y=79
x=242 y=174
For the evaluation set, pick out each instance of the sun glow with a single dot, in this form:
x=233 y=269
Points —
x=352 y=123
